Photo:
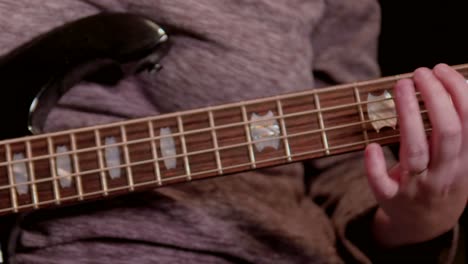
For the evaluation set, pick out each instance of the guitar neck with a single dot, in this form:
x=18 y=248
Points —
x=89 y=163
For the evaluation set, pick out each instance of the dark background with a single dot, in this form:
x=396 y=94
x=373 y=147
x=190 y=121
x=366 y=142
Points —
x=424 y=33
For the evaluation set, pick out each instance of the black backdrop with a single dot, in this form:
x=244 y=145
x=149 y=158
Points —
x=424 y=33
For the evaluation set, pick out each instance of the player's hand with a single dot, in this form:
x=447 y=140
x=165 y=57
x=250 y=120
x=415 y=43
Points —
x=425 y=194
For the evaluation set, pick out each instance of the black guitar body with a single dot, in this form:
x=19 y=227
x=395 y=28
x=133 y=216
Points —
x=36 y=74
x=100 y=48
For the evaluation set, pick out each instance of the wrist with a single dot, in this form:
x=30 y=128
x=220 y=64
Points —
x=389 y=233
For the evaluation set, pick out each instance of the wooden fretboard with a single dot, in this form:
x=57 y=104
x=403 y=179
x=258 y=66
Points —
x=76 y=165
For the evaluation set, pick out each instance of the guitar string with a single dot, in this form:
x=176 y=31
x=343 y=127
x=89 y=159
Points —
x=80 y=196
x=385 y=82
x=214 y=128
x=184 y=177
x=204 y=151
x=242 y=123
x=152 y=119
x=197 y=131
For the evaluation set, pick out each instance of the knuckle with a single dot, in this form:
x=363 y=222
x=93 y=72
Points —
x=416 y=152
x=450 y=133
x=417 y=157
x=435 y=187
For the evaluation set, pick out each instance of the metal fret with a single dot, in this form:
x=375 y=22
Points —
x=50 y=147
x=154 y=150
x=361 y=114
x=214 y=136
x=101 y=163
x=32 y=175
x=249 y=137
x=76 y=166
x=287 y=148
x=131 y=182
x=322 y=125
x=17 y=198
x=184 y=147
x=13 y=196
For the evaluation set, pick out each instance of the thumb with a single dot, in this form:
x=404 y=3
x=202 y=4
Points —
x=383 y=186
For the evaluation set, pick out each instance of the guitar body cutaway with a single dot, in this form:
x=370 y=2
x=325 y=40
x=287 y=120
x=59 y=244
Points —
x=36 y=74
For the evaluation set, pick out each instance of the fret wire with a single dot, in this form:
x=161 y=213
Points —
x=32 y=175
x=184 y=147
x=154 y=151
x=361 y=114
x=207 y=171
x=55 y=187
x=214 y=136
x=382 y=81
x=102 y=168
x=249 y=137
x=221 y=148
x=287 y=148
x=11 y=162
x=322 y=125
x=99 y=148
x=338 y=147
x=190 y=132
x=13 y=184
x=127 y=158
x=76 y=165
